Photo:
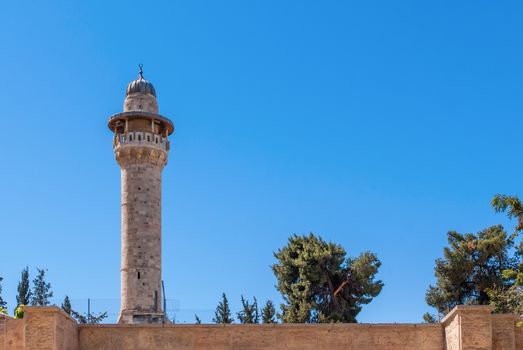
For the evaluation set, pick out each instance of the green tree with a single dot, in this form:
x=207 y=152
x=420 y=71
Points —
x=510 y=300
x=269 y=312
x=41 y=290
x=256 y=311
x=472 y=264
x=320 y=284
x=249 y=312
x=66 y=305
x=85 y=318
x=3 y=303
x=429 y=318
x=24 y=290
x=223 y=311
x=512 y=206
x=507 y=301
x=88 y=318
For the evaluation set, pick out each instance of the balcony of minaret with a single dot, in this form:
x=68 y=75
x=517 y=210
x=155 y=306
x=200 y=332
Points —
x=141 y=138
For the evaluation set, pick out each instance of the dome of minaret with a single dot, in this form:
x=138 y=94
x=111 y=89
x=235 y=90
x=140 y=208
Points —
x=140 y=95
x=140 y=85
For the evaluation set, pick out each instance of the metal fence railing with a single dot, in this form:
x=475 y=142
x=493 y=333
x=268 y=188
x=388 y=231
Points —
x=96 y=306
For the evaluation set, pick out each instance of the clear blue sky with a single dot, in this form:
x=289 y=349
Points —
x=379 y=125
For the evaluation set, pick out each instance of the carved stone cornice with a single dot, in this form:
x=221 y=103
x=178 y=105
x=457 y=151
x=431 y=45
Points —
x=128 y=154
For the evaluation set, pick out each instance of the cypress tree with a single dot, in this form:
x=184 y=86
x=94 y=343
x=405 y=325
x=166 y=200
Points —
x=3 y=304
x=256 y=317
x=66 y=305
x=41 y=290
x=248 y=313
x=223 y=312
x=24 y=290
x=269 y=312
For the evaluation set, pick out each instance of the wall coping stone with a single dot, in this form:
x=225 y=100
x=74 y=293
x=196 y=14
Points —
x=272 y=325
x=466 y=309
x=48 y=309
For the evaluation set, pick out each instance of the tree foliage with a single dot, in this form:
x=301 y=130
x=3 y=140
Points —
x=429 y=318
x=3 y=303
x=66 y=305
x=41 y=290
x=310 y=270
x=510 y=300
x=223 y=311
x=249 y=312
x=510 y=205
x=513 y=207
x=24 y=290
x=88 y=318
x=269 y=312
x=472 y=264
x=507 y=300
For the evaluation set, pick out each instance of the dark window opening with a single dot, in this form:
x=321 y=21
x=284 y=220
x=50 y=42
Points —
x=156 y=300
x=138 y=274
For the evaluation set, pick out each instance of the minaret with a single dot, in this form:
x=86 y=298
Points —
x=141 y=147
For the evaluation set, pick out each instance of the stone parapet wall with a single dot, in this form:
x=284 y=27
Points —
x=12 y=335
x=42 y=328
x=504 y=332
x=519 y=337
x=465 y=328
x=468 y=328
x=261 y=337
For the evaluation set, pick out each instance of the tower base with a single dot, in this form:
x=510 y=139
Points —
x=142 y=318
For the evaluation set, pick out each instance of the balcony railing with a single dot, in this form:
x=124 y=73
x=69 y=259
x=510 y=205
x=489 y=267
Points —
x=141 y=138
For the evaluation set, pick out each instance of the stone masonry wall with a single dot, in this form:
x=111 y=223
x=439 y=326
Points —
x=465 y=328
x=504 y=332
x=469 y=328
x=42 y=328
x=12 y=335
x=519 y=338
x=262 y=337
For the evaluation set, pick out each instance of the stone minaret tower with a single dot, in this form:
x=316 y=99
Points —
x=141 y=147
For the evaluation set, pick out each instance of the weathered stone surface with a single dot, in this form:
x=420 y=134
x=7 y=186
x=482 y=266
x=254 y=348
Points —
x=42 y=328
x=503 y=332
x=468 y=328
x=51 y=328
x=263 y=337
x=519 y=337
x=141 y=147
x=11 y=333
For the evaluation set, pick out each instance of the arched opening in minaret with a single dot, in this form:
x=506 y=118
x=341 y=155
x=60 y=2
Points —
x=138 y=274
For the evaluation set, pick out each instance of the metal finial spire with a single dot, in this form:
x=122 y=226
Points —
x=140 y=66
